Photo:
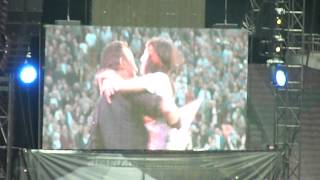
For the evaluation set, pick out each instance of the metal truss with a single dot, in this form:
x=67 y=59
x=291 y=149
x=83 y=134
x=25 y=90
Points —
x=4 y=82
x=3 y=76
x=289 y=99
x=251 y=16
x=4 y=87
x=3 y=37
x=294 y=10
x=312 y=42
x=292 y=29
x=3 y=107
x=287 y=121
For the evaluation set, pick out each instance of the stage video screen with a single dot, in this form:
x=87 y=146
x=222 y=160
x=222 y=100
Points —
x=138 y=88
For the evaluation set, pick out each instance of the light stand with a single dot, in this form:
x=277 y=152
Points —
x=68 y=21
x=225 y=23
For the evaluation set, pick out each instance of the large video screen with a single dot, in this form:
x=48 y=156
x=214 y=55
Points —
x=145 y=88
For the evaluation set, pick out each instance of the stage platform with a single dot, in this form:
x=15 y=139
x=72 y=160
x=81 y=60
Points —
x=146 y=165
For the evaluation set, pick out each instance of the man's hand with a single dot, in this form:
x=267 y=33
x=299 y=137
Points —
x=107 y=81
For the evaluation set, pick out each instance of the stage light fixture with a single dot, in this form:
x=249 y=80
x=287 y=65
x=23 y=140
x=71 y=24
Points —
x=279 y=75
x=28 y=73
x=278 y=38
x=278 y=72
x=278 y=20
x=281 y=78
x=280 y=10
x=279 y=45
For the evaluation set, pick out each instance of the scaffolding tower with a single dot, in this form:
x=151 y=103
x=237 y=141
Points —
x=290 y=98
x=4 y=85
x=287 y=121
x=295 y=11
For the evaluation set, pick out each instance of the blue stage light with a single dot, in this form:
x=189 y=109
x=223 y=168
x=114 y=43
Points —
x=28 y=73
x=281 y=78
x=279 y=75
x=278 y=72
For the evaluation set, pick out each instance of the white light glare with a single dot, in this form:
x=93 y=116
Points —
x=28 y=74
x=281 y=78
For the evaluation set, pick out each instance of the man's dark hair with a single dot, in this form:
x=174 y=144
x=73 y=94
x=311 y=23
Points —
x=111 y=55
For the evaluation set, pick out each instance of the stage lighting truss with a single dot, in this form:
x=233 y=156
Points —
x=278 y=38
x=286 y=17
x=3 y=50
x=4 y=82
x=4 y=86
x=287 y=117
x=294 y=25
x=288 y=99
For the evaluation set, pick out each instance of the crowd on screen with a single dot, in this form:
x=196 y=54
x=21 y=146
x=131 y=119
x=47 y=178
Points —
x=215 y=70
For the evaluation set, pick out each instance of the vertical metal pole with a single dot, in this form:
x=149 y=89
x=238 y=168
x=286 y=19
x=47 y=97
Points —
x=302 y=83
x=10 y=125
x=68 y=11
x=86 y=12
x=40 y=92
x=299 y=122
x=275 y=138
x=225 y=11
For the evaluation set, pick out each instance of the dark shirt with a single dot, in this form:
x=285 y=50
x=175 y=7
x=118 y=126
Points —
x=120 y=125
